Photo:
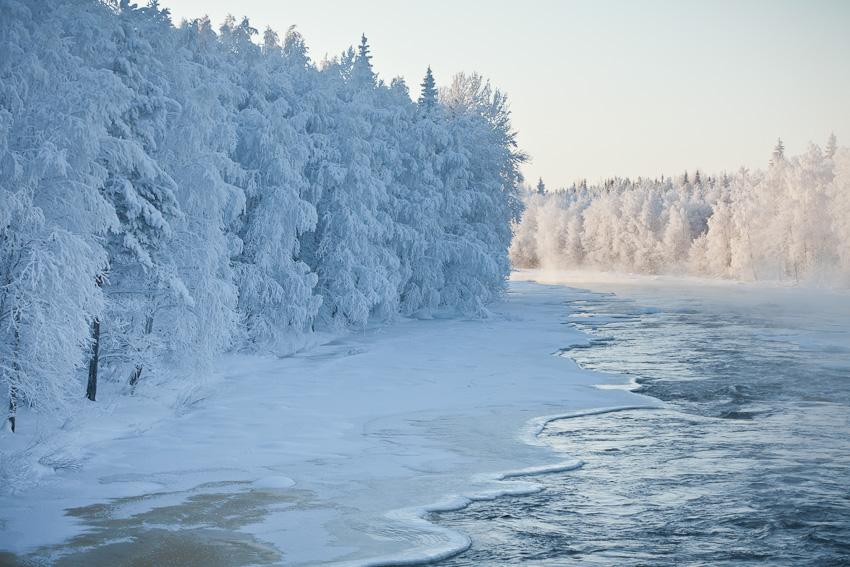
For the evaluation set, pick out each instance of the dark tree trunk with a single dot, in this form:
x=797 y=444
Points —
x=13 y=406
x=91 y=387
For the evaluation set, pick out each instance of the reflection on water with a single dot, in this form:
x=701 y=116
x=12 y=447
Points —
x=199 y=528
x=748 y=464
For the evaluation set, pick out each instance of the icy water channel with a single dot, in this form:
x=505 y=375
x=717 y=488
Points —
x=748 y=463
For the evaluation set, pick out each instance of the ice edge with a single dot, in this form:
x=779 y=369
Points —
x=458 y=542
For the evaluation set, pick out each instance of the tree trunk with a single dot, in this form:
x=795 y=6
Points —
x=13 y=405
x=91 y=387
x=16 y=375
x=135 y=375
x=137 y=371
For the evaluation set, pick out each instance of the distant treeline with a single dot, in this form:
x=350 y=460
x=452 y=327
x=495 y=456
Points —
x=790 y=222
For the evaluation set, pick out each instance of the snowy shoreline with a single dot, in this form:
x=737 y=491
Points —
x=420 y=515
x=408 y=417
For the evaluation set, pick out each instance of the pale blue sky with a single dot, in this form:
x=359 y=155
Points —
x=608 y=87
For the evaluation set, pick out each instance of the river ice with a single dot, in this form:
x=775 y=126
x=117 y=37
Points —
x=339 y=455
x=333 y=456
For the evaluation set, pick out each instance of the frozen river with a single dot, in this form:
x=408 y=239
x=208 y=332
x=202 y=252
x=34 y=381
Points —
x=335 y=456
x=748 y=463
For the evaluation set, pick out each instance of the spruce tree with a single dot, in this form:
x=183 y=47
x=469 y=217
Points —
x=271 y=41
x=361 y=72
x=428 y=96
x=778 y=152
x=831 y=146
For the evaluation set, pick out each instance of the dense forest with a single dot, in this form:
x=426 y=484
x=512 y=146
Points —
x=170 y=192
x=790 y=222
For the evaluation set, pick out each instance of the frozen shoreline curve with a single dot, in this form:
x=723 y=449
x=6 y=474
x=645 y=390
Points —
x=410 y=413
x=458 y=542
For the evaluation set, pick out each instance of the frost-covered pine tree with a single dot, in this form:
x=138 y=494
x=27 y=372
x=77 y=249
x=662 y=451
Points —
x=197 y=151
x=362 y=74
x=357 y=272
x=428 y=93
x=275 y=288
x=831 y=146
x=778 y=152
x=418 y=201
x=481 y=179
x=541 y=187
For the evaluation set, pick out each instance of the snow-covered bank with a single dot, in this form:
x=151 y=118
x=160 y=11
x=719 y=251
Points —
x=370 y=431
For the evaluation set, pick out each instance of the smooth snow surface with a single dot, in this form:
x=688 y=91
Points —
x=331 y=456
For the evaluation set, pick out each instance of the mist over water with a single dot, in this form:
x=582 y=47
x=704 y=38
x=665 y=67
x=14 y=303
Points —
x=748 y=463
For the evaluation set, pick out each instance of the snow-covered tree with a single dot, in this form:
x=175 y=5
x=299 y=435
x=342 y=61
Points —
x=778 y=152
x=53 y=215
x=275 y=287
x=169 y=193
x=428 y=94
x=362 y=75
x=541 y=187
x=785 y=223
x=481 y=178
x=831 y=146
